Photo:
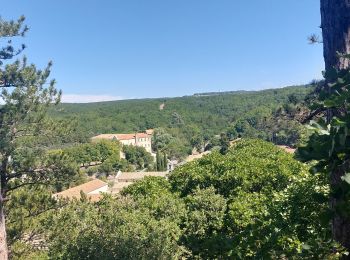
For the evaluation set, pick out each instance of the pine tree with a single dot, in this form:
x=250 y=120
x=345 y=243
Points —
x=27 y=95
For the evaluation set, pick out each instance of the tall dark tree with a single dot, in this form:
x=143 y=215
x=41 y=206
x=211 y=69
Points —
x=165 y=162
x=158 y=162
x=335 y=17
x=225 y=143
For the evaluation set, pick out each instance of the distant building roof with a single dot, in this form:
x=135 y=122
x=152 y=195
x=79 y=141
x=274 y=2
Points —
x=134 y=176
x=94 y=197
x=287 y=149
x=118 y=186
x=149 y=131
x=121 y=136
x=190 y=158
x=85 y=188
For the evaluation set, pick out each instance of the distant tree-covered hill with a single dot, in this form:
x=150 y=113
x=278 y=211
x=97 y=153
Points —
x=204 y=115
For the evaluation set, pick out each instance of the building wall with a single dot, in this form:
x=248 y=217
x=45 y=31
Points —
x=145 y=142
x=128 y=142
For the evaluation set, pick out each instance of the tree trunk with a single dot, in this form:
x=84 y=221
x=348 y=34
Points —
x=3 y=241
x=335 y=17
x=3 y=191
x=340 y=222
x=335 y=24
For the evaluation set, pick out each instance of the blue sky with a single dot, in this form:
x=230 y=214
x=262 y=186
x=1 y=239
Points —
x=113 y=49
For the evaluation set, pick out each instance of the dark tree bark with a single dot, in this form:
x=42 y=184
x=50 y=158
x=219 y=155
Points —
x=335 y=16
x=340 y=221
x=3 y=189
x=3 y=239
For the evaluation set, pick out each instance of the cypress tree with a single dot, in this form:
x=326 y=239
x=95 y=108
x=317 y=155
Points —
x=161 y=162
x=165 y=162
x=158 y=162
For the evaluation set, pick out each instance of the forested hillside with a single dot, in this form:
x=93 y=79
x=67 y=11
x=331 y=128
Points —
x=202 y=116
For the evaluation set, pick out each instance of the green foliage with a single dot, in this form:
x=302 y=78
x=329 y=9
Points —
x=174 y=142
x=107 y=153
x=329 y=143
x=107 y=167
x=111 y=229
x=154 y=194
x=190 y=121
x=160 y=139
x=224 y=143
x=138 y=156
x=27 y=97
x=271 y=204
x=204 y=223
x=328 y=146
x=148 y=187
x=176 y=120
x=161 y=162
x=11 y=29
x=266 y=168
x=25 y=212
x=255 y=202
x=26 y=135
x=165 y=162
x=94 y=152
x=278 y=126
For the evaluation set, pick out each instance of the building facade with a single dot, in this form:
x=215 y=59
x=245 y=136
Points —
x=137 y=139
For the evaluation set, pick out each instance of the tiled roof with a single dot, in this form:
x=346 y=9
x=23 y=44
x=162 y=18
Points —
x=94 y=197
x=149 y=131
x=105 y=136
x=131 y=136
x=190 y=158
x=121 y=136
x=85 y=188
x=287 y=149
x=118 y=186
x=134 y=176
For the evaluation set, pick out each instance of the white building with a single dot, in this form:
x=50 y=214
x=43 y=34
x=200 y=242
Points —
x=137 y=139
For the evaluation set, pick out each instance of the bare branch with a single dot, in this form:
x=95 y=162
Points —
x=313 y=114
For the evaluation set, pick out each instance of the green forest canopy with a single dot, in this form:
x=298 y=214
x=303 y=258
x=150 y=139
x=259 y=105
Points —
x=255 y=202
x=208 y=114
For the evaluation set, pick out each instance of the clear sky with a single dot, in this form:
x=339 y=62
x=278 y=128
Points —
x=113 y=49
